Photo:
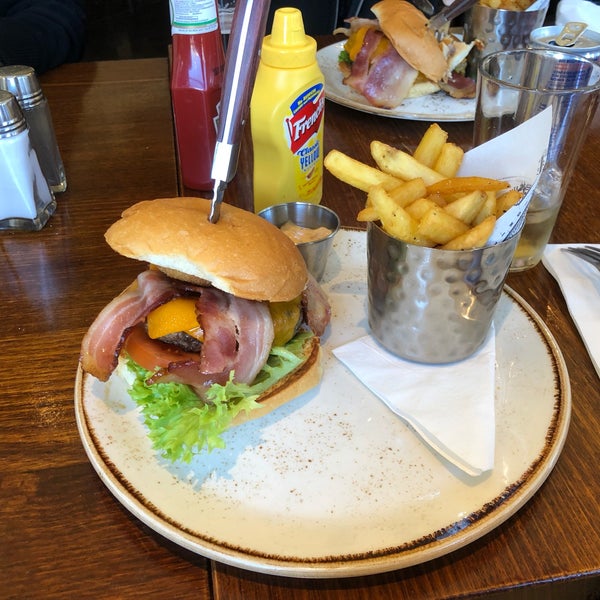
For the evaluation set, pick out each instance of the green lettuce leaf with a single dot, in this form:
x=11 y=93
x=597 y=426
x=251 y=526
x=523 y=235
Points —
x=344 y=57
x=180 y=425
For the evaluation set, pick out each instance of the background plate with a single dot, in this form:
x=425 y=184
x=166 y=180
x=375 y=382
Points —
x=435 y=107
x=333 y=484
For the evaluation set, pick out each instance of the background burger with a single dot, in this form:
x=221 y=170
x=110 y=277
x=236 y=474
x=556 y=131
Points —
x=396 y=56
x=223 y=326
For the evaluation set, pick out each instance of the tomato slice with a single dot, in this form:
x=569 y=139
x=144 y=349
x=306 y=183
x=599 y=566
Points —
x=151 y=354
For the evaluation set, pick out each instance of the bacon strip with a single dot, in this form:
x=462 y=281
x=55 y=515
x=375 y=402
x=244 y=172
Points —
x=362 y=61
x=459 y=86
x=103 y=341
x=317 y=310
x=383 y=78
x=238 y=335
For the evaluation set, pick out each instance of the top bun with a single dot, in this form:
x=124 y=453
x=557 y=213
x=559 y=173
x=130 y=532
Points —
x=241 y=254
x=406 y=28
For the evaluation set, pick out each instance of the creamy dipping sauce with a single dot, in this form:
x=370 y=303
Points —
x=300 y=235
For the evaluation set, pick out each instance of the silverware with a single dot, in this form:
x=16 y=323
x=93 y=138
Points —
x=425 y=6
x=439 y=20
x=590 y=254
x=241 y=63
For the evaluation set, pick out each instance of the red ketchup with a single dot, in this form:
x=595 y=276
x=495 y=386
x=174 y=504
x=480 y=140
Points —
x=196 y=82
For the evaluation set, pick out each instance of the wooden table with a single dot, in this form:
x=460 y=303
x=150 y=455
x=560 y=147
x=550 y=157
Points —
x=63 y=535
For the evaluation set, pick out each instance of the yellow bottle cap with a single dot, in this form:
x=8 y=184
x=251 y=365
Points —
x=288 y=47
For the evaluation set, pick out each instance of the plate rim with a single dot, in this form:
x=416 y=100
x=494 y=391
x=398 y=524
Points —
x=348 y=566
x=395 y=113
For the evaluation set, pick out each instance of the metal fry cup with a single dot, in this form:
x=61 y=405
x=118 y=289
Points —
x=498 y=29
x=430 y=305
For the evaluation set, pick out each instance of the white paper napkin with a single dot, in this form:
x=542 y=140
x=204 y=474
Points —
x=580 y=284
x=450 y=406
x=578 y=10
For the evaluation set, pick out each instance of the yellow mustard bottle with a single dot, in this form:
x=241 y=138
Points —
x=286 y=116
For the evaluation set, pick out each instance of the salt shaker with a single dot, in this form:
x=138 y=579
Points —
x=22 y=82
x=26 y=200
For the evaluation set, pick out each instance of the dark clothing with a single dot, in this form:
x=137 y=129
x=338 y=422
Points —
x=41 y=33
x=320 y=17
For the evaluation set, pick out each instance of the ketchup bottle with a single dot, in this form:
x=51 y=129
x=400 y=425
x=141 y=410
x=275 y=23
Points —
x=196 y=82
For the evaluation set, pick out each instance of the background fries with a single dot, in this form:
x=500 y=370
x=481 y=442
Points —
x=507 y=4
x=419 y=199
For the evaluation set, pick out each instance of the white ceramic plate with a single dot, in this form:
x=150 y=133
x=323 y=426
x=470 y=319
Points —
x=435 y=107
x=333 y=484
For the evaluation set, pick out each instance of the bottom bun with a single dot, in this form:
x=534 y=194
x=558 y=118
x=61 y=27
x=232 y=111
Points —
x=307 y=376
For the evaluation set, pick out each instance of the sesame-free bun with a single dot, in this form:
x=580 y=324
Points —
x=241 y=254
x=406 y=28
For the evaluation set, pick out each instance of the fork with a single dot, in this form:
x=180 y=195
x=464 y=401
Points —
x=439 y=20
x=590 y=254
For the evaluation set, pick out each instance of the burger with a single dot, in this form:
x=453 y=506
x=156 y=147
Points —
x=221 y=327
x=396 y=56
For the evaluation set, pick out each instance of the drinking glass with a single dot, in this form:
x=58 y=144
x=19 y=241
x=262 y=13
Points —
x=512 y=87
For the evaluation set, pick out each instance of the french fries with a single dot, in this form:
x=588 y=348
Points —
x=430 y=146
x=418 y=197
x=449 y=160
x=440 y=226
x=455 y=185
x=506 y=201
x=467 y=207
x=395 y=219
x=402 y=165
x=355 y=173
x=475 y=237
x=517 y=5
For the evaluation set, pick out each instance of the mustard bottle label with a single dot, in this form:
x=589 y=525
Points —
x=303 y=134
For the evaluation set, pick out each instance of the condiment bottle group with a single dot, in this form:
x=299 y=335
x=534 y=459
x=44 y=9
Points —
x=287 y=116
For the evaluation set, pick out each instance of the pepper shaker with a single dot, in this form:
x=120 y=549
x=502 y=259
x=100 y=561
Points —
x=22 y=82
x=26 y=200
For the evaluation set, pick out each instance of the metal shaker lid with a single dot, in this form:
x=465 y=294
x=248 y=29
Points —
x=12 y=120
x=22 y=82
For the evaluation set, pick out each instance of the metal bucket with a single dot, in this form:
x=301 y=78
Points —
x=498 y=29
x=430 y=305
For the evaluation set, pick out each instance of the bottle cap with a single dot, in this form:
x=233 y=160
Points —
x=288 y=47
x=22 y=82
x=12 y=121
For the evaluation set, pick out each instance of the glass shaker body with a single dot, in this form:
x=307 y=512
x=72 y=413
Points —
x=26 y=201
x=21 y=81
